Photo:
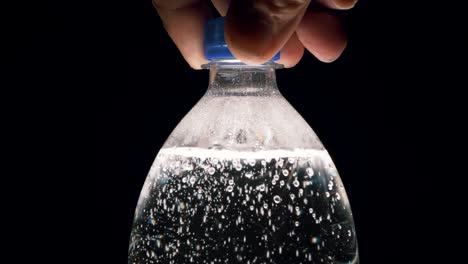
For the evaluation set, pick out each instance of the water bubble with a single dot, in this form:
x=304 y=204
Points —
x=292 y=196
x=238 y=167
x=276 y=177
x=251 y=208
x=193 y=179
x=281 y=183
x=311 y=210
x=300 y=192
x=231 y=182
x=296 y=223
x=265 y=205
x=338 y=197
x=310 y=172
x=229 y=188
x=298 y=211
x=249 y=174
x=261 y=187
x=296 y=183
x=211 y=170
x=291 y=160
x=277 y=199
x=314 y=240
x=188 y=166
x=252 y=162
x=285 y=172
x=263 y=163
x=327 y=194
x=184 y=179
x=280 y=163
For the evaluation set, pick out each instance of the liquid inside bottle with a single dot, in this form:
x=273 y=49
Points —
x=242 y=179
x=217 y=206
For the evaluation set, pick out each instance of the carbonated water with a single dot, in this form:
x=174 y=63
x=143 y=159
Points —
x=219 y=206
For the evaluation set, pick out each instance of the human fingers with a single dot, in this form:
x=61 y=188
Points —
x=322 y=34
x=185 y=20
x=257 y=29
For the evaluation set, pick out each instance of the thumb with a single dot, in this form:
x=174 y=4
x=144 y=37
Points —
x=257 y=29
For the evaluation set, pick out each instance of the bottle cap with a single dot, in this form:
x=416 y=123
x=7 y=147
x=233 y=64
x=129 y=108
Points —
x=214 y=44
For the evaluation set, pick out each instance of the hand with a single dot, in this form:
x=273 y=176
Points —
x=255 y=30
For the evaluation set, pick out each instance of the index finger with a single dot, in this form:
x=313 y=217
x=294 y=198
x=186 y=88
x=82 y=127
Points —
x=184 y=20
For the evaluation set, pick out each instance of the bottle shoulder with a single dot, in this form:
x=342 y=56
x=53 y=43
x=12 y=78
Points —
x=244 y=123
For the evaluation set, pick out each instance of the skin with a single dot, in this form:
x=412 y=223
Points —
x=255 y=30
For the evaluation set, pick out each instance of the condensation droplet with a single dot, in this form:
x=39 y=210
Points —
x=310 y=172
x=249 y=174
x=229 y=188
x=285 y=172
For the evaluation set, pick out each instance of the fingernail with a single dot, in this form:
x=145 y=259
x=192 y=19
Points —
x=344 y=4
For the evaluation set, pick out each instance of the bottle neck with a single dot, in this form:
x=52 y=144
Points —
x=236 y=78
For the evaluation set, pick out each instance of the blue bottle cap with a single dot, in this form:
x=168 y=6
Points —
x=214 y=44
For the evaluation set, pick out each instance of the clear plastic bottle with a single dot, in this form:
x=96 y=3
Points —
x=242 y=179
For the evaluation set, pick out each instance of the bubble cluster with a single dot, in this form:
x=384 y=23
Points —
x=223 y=209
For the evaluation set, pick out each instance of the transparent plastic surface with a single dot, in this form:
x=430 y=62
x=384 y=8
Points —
x=243 y=179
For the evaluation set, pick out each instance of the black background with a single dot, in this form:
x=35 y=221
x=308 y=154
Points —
x=93 y=88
